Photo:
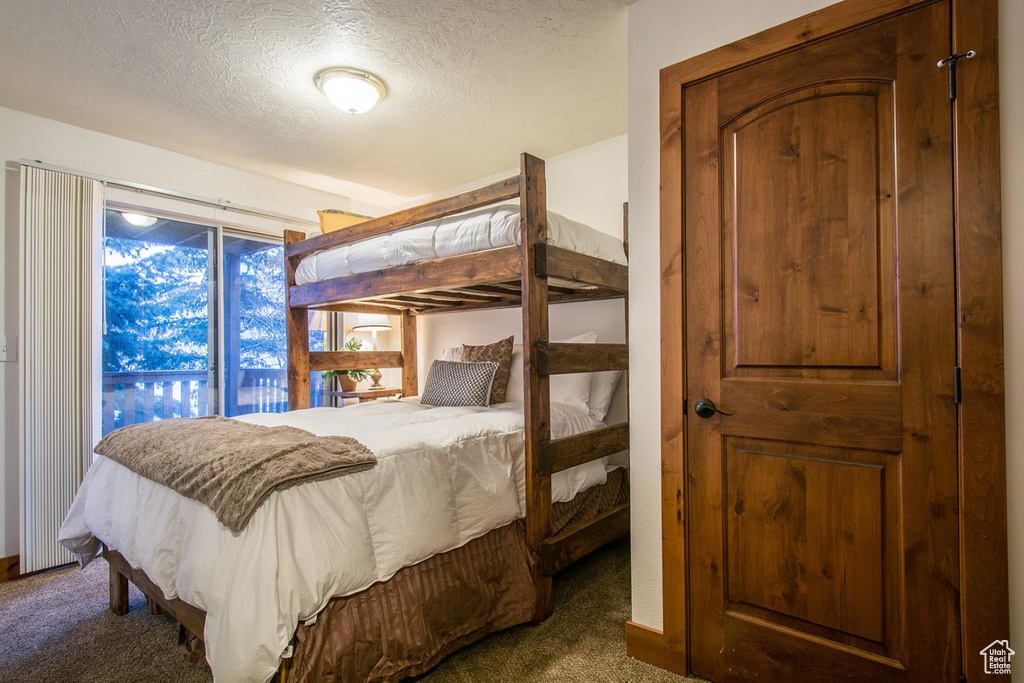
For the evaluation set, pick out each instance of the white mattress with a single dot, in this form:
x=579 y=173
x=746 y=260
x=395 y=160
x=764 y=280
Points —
x=444 y=476
x=490 y=228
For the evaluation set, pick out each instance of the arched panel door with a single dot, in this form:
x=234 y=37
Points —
x=820 y=319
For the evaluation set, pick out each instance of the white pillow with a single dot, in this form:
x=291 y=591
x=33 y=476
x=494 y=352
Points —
x=602 y=388
x=571 y=389
x=514 y=391
x=451 y=353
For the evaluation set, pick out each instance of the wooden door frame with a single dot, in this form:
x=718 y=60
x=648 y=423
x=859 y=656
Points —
x=984 y=597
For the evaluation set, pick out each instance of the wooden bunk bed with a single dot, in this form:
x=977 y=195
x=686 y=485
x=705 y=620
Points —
x=504 y=277
x=498 y=278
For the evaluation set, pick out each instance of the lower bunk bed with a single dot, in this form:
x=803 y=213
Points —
x=448 y=566
x=404 y=626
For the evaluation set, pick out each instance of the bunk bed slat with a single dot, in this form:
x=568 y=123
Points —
x=577 y=541
x=570 y=265
x=474 y=199
x=562 y=359
x=354 y=360
x=415 y=302
x=494 y=265
x=561 y=454
x=591 y=295
x=376 y=307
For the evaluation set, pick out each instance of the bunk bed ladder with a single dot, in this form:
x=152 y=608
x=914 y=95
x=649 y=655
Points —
x=541 y=359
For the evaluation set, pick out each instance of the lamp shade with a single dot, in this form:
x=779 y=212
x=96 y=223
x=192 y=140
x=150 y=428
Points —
x=371 y=322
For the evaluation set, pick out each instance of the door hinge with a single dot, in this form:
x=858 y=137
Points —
x=950 y=63
x=963 y=678
x=957 y=397
x=684 y=406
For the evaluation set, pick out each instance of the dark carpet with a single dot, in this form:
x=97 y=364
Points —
x=56 y=627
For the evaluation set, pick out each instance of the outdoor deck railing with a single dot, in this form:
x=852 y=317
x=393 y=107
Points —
x=133 y=397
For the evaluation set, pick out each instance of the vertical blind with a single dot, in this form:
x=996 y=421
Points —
x=61 y=220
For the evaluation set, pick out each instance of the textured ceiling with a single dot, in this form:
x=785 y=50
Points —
x=471 y=82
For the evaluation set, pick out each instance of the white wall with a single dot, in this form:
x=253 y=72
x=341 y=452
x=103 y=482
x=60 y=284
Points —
x=32 y=137
x=663 y=32
x=587 y=185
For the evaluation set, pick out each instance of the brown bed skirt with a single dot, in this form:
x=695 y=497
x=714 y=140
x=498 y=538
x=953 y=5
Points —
x=404 y=626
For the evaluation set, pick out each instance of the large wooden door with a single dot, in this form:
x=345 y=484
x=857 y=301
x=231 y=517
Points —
x=820 y=314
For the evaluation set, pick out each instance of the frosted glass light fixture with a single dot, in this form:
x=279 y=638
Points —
x=350 y=90
x=138 y=220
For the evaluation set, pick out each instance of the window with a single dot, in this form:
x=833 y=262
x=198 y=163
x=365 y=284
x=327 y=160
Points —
x=158 y=331
x=194 y=321
x=255 y=350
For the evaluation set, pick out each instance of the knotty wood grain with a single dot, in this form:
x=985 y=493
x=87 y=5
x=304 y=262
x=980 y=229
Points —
x=296 y=333
x=536 y=400
x=354 y=360
x=924 y=144
x=804 y=30
x=983 y=535
x=410 y=380
x=563 y=358
x=578 y=541
x=561 y=454
x=570 y=265
x=675 y=596
x=645 y=643
x=494 y=265
x=925 y=289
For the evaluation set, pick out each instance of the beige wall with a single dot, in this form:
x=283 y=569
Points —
x=32 y=137
x=1011 y=93
x=663 y=32
x=587 y=185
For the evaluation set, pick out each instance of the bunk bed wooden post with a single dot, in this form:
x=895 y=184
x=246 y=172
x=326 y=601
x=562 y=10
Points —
x=410 y=381
x=537 y=401
x=297 y=332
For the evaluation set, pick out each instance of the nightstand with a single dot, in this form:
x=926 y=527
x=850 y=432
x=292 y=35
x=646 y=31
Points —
x=368 y=394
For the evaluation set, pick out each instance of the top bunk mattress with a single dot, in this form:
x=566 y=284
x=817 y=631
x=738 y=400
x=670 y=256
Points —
x=480 y=230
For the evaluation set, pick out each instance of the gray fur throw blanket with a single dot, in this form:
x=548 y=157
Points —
x=231 y=467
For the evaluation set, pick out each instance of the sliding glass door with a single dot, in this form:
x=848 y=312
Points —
x=255 y=349
x=195 y=322
x=159 y=334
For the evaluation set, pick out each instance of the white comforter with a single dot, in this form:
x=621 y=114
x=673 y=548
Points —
x=444 y=476
x=490 y=228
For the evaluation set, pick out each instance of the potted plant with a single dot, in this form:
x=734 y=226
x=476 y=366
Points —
x=349 y=378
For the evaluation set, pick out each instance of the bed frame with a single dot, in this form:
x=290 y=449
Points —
x=499 y=278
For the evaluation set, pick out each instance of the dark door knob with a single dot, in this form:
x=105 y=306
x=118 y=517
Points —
x=705 y=408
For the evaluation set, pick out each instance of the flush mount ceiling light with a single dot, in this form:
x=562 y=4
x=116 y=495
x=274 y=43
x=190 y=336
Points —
x=350 y=90
x=138 y=220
